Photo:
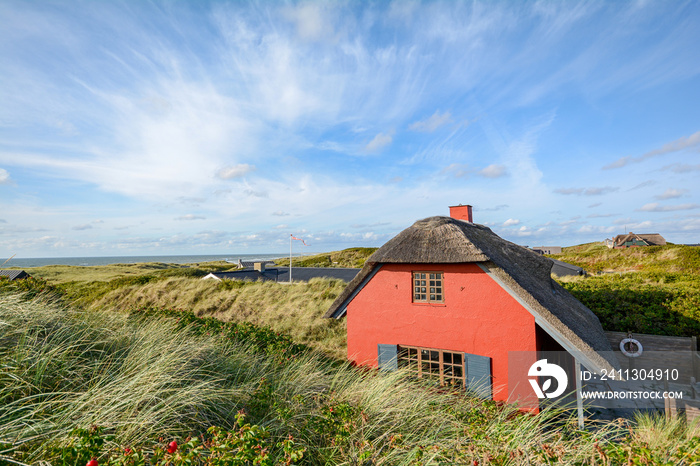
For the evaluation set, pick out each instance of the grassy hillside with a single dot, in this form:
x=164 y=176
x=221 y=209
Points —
x=295 y=309
x=119 y=386
x=351 y=257
x=596 y=257
x=71 y=273
x=643 y=290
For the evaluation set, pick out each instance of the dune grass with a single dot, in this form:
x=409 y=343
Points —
x=295 y=309
x=146 y=376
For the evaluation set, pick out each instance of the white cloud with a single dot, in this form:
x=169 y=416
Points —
x=312 y=21
x=493 y=171
x=624 y=221
x=380 y=141
x=431 y=123
x=682 y=168
x=511 y=222
x=600 y=191
x=643 y=184
x=493 y=209
x=190 y=217
x=458 y=170
x=4 y=176
x=596 y=191
x=279 y=213
x=671 y=193
x=524 y=231
x=674 y=146
x=568 y=191
x=256 y=193
x=82 y=227
x=656 y=207
x=236 y=171
x=596 y=229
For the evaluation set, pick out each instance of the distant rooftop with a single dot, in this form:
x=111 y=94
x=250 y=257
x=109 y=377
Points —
x=281 y=274
x=14 y=274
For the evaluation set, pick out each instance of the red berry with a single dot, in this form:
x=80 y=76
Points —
x=92 y=462
x=172 y=448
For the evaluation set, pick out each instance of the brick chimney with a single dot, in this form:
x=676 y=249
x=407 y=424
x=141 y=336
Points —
x=461 y=212
x=259 y=266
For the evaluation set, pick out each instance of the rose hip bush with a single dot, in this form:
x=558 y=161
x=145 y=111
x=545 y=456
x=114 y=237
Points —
x=246 y=445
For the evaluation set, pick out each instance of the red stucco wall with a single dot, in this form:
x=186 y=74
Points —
x=477 y=317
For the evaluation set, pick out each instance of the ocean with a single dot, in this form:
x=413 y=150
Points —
x=90 y=261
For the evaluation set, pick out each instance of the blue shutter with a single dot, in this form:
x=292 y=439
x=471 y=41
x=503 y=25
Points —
x=478 y=375
x=386 y=357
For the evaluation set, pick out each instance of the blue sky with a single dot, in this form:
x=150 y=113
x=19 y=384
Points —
x=177 y=127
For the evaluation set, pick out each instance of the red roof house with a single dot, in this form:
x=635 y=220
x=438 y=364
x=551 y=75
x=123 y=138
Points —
x=450 y=300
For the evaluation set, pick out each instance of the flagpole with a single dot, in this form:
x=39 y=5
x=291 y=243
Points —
x=290 y=258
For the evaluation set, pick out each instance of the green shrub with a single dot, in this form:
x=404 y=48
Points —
x=643 y=302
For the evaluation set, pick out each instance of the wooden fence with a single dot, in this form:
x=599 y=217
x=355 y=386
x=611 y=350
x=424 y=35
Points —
x=662 y=352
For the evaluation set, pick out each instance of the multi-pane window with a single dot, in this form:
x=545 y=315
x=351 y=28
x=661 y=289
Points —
x=445 y=367
x=427 y=287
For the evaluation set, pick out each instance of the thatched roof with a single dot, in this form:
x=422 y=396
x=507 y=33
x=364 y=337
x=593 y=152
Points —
x=654 y=239
x=13 y=274
x=651 y=239
x=520 y=271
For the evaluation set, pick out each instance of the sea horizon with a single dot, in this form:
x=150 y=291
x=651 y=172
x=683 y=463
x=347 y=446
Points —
x=30 y=262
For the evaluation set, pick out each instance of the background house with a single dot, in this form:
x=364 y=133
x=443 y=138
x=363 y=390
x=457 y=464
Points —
x=260 y=271
x=630 y=240
x=547 y=249
x=451 y=300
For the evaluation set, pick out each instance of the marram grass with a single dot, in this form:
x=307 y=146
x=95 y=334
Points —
x=144 y=378
x=295 y=309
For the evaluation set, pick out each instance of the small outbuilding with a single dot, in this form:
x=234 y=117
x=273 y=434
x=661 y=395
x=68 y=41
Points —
x=450 y=300
x=13 y=274
x=564 y=269
x=551 y=250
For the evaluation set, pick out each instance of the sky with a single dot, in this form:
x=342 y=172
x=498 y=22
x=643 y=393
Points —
x=192 y=127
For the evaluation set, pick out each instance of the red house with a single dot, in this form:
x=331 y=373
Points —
x=451 y=300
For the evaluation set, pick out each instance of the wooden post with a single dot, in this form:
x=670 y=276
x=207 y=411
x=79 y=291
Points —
x=579 y=397
x=669 y=404
x=290 y=258
x=694 y=355
x=693 y=393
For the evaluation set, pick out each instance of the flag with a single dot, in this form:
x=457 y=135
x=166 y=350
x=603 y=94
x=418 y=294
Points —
x=298 y=239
